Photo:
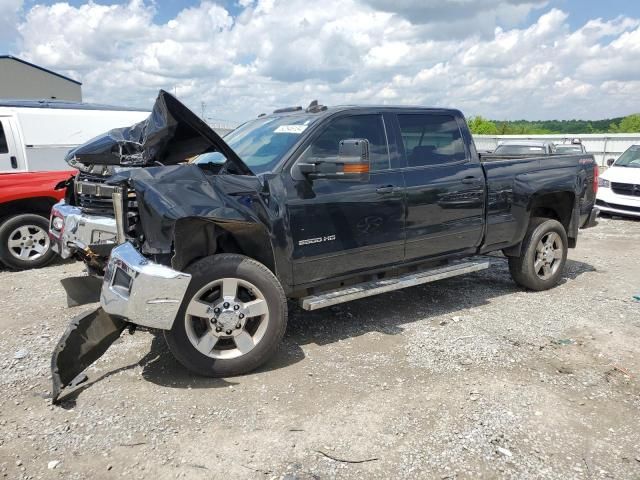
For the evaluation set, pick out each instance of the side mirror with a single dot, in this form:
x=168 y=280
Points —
x=352 y=162
x=610 y=162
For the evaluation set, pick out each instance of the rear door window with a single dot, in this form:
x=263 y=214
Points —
x=431 y=139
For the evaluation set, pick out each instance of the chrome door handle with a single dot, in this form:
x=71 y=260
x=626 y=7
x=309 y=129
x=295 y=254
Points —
x=471 y=180
x=385 y=189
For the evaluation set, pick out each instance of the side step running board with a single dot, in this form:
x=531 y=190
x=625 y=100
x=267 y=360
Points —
x=375 y=287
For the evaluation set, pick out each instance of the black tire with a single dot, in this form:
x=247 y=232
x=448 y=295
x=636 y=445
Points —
x=30 y=223
x=221 y=266
x=523 y=269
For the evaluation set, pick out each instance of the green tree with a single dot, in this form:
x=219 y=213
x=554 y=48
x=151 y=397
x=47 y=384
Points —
x=482 y=126
x=629 y=124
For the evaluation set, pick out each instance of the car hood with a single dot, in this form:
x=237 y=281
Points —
x=622 y=174
x=170 y=135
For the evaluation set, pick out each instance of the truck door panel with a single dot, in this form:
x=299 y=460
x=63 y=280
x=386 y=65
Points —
x=445 y=189
x=9 y=161
x=340 y=227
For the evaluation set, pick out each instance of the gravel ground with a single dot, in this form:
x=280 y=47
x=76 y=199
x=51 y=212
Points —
x=466 y=378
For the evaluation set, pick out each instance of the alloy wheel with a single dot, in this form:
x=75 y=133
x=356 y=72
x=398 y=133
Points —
x=226 y=318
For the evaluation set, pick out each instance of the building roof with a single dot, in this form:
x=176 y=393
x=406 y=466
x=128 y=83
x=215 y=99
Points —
x=51 y=72
x=64 y=105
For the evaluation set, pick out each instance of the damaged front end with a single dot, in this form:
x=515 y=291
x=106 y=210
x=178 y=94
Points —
x=83 y=225
x=134 y=292
x=156 y=204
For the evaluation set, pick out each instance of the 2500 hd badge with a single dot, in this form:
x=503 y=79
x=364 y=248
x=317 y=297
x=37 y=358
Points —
x=309 y=241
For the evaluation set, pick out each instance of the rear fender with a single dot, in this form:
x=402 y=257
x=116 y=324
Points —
x=562 y=206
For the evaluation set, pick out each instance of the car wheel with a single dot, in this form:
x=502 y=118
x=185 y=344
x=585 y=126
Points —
x=24 y=242
x=543 y=256
x=232 y=317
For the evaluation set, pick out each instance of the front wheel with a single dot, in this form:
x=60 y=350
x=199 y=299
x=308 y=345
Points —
x=544 y=254
x=24 y=242
x=232 y=317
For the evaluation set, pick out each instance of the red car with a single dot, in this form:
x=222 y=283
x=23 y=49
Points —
x=25 y=202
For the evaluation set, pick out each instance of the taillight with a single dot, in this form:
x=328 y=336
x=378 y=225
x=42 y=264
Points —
x=596 y=174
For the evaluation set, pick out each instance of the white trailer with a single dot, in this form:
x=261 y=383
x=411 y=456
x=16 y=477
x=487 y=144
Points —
x=36 y=135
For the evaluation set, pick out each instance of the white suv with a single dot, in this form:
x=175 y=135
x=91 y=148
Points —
x=619 y=186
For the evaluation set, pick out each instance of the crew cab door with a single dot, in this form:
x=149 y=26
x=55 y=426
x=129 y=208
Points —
x=445 y=185
x=9 y=161
x=340 y=227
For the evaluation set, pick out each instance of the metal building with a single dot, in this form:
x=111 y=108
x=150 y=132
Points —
x=24 y=80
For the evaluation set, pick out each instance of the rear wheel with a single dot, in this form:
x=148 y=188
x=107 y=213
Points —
x=544 y=254
x=24 y=242
x=232 y=318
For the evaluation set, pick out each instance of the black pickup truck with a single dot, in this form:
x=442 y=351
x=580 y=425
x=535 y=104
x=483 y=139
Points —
x=324 y=205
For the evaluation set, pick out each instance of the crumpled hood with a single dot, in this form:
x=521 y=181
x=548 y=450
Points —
x=622 y=175
x=170 y=135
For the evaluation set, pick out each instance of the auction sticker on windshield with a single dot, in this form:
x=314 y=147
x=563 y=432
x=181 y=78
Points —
x=297 y=129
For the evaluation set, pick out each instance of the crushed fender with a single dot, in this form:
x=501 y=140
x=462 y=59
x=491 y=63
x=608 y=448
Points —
x=87 y=338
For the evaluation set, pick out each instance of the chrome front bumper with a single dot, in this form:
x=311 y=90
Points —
x=143 y=292
x=79 y=231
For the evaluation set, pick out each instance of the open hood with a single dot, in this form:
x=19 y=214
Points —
x=170 y=135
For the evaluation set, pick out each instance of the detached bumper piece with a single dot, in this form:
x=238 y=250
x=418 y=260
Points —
x=143 y=292
x=70 y=230
x=87 y=338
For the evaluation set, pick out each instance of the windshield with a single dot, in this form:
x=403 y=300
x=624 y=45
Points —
x=630 y=158
x=518 y=150
x=568 y=149
x=262 y=143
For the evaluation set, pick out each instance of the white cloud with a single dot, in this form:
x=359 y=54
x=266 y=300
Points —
x=276 y=53
x=9 y=11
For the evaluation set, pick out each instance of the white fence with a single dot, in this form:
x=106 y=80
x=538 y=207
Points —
x=602 y=145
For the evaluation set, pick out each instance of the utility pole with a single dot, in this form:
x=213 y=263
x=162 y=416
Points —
x=203 y=105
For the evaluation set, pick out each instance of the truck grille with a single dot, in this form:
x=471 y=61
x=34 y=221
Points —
x=628 y=189
x=95 y=198
x=131 y=215
x=90 y=197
